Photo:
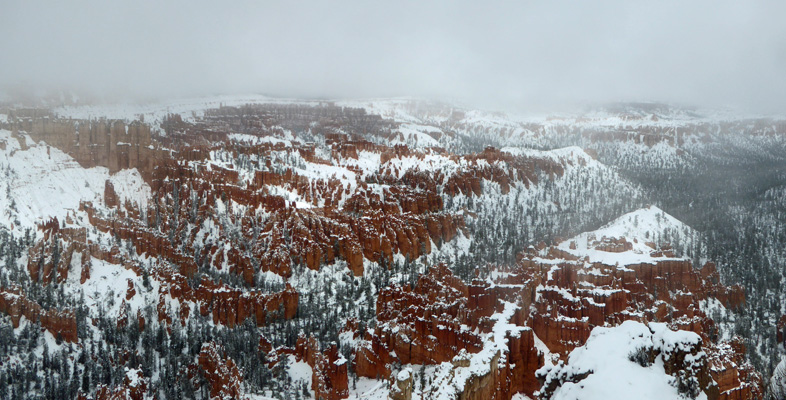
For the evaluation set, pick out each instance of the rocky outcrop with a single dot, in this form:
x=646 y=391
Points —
x=502 y=168
x=61 y=324
x=575 y=296
x=420 y=326
x=134 y=387
x=111 y=200
x=681 y=354
x=111 y=144
x=51 y=257
x=735 y=377
x=226 y=305
x=329 y=379
x=221 y=373
x=401 y=385
x=438 y=321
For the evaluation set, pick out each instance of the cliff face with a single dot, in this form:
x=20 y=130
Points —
x=734 y=375
x=227 y=306
x=575 y=298
x=420 y=326
x=111 y=144
x=442 y=319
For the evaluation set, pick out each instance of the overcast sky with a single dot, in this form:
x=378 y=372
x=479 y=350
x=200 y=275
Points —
x=494 y=54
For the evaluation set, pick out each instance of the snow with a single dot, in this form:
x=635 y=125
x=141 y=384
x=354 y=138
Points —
x=612 y=375
x=132 y=374
x=638 y=227
x=449 y=379
x=130 y=186
x=642 y=224
x=106 y=289
x=778 y=383
x=251 y=139
x=369 y=389
x=548 y=357
x=668 y=340
x=417 y=135
x=299 y=370
x=42 y=182
x=404 y=374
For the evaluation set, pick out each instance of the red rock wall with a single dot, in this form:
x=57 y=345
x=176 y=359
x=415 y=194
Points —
x=60 y=324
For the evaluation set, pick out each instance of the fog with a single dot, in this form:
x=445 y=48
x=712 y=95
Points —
x=517 y=55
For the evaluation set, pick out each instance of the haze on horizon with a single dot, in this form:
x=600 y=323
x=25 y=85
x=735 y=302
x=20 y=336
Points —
x=512 y=55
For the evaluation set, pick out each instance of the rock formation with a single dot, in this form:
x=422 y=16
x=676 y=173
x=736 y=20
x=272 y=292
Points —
x=61 y=324
x=221 y=373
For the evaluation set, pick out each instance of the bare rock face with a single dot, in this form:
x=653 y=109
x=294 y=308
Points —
x=111 y=144
x=468 y=182
x=226 y=305
x=573 y=300
x=420 y=326
x=440 y=320
x=131 y=291
x=561 y=299
x=111 y=200
x=735 y=377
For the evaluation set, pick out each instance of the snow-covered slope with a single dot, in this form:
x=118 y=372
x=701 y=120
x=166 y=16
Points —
x=39 y=182
x=644 y=230
x=606 y=367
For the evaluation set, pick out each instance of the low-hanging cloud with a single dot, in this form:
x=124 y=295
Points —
x=510 y=55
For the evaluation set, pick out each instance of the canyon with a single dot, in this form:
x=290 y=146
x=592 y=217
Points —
x=225 y=220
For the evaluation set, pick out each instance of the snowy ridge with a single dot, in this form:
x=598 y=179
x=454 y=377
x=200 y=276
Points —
x=42 y=182
x=451 y=377
x=643 y=224
x=643 y=230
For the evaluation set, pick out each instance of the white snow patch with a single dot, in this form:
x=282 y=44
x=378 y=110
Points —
x=612 y=375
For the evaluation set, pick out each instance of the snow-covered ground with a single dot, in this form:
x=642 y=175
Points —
x=606 y=358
